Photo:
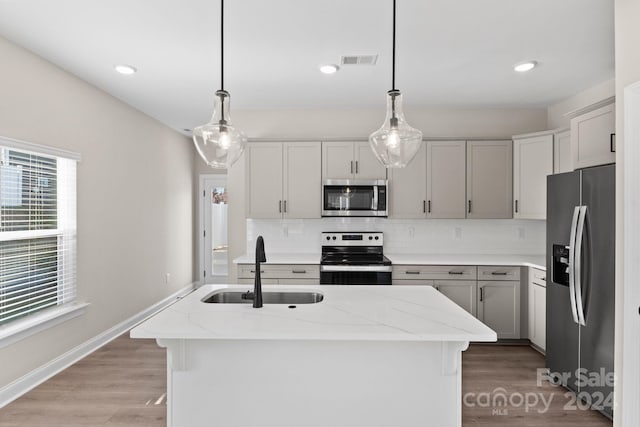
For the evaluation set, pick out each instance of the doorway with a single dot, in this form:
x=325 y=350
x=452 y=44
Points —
x=214 y=260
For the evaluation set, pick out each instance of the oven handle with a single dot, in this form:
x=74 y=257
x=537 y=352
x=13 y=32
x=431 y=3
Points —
x=372 y=268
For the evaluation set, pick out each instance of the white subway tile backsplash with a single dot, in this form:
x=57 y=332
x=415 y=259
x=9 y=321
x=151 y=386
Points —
x=508 y=236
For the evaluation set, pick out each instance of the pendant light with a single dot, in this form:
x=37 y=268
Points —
x=218 y=142
x=396 y=143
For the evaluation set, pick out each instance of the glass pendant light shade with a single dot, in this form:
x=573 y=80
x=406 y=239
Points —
x=396 y=143
x=218 y=142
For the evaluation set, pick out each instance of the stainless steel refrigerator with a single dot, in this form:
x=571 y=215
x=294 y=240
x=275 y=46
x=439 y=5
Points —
x=580 y=283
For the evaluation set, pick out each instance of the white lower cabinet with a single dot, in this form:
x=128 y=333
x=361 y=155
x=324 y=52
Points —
x=499 y=307
x=462 y=292
x=280 y=274
x=537 y=308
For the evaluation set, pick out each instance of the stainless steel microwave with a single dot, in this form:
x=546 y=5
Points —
x=354 y=197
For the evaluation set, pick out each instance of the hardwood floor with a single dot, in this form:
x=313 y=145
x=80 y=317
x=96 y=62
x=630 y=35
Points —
x=123 y=384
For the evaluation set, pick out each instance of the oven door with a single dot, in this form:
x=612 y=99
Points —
x=344 y=197
x=355 y=275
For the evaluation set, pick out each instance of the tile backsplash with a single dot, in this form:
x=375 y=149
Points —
x=508 y=236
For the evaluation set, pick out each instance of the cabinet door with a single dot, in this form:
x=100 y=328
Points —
x=367 y=165
x=337 y=160
x=408 y=188
x=302 y=185
x=499 y=307
x=264 y=180
x=592 y=137
x=446 y=184
x=462 y=292
x=562 y=152
x=489 y=179
x=537 y=314
x=532 y=162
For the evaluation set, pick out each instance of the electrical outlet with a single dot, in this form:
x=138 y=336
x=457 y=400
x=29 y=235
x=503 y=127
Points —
x=167 y=278
x=457 y=233
x=412 y=232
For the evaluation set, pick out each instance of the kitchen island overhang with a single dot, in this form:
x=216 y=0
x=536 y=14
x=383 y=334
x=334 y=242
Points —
x=365 y=355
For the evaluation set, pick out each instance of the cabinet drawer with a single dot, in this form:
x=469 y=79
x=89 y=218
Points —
x=498 y=273
x=539 y=277
x=405 y=282
x=280 y=271
x=434 y=272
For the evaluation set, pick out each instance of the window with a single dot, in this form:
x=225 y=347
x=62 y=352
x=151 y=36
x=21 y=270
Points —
x=37 y=230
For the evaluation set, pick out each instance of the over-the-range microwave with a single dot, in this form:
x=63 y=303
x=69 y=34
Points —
x=354 y=197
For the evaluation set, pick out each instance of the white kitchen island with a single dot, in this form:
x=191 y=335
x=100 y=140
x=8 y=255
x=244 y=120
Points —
x=364 y=356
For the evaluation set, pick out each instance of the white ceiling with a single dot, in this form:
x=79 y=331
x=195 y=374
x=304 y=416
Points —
x=449 y=52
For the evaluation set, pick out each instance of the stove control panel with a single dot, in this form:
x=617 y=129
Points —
x=373 y=238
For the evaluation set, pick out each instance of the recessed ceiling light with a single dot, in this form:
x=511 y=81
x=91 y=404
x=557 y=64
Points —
x=522 y=67
x=329 y=68
x=125 y=69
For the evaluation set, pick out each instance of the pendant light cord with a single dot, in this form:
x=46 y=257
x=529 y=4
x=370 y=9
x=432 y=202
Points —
x=222 y=44
x=393 y=56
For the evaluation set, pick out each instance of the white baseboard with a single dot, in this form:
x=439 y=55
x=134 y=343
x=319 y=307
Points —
x=39 y=375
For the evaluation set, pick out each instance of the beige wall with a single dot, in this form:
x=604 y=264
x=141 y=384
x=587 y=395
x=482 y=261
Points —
x=359 y=123
x=556 y=112
x=627 y=72
x=135 y=199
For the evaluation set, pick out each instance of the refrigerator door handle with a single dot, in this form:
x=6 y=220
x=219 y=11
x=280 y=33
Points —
x=572 y=242
x=577 y=265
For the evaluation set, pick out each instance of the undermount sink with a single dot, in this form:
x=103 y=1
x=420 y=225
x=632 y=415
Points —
x=237 y=297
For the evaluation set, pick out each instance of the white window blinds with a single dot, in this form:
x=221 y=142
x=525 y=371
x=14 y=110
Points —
x=37 y=231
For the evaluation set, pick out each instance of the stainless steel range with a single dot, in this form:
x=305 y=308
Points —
x=354 y=259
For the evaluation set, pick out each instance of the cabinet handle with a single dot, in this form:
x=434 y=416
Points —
x=285 y=206
x=261 y=271
x=498 y=273
x=481 y=294
x=424 y=206
x=437 y=288
x=516 y=206
x=351 y=166
x=299 y=271
x=544 y=279
x=356 y=166
x=429 y=206
x=456 y=272
x=469 y=209
x=612 y=142
x=411 y=272
x=280 y=206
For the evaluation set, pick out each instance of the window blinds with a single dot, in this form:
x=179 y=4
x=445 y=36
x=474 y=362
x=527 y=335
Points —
x=37 y=231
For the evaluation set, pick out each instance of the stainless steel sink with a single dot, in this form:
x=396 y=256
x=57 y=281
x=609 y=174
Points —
x=237 y=297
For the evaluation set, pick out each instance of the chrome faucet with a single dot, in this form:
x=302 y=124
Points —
x=257 y=285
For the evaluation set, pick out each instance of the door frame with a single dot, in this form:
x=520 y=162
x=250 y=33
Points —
x=204 y=239
x=628 y=295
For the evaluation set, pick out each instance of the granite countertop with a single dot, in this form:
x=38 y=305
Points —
x=354 y=313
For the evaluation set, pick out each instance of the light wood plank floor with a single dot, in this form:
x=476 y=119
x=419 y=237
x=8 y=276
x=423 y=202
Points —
x=123 y=384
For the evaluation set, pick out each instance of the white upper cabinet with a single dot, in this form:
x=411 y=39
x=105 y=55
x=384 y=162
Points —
x=350 y=160
x=264 y=174
x=446 y=184
x=408 y=188
x=302 y=186
x=562 y=152
x=532 y=162
x=283 y=180
x=593 y=137
x=489 y=179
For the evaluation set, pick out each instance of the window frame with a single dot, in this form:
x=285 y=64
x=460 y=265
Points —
x=33 y=323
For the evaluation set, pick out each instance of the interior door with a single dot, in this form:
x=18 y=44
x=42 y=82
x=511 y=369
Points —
x=563 y=195
x=598 y=283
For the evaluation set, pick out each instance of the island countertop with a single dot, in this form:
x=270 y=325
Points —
x=354 y=313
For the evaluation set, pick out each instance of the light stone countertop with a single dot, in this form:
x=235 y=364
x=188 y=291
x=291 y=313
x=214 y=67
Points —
x=353 y=313
x=536 y=261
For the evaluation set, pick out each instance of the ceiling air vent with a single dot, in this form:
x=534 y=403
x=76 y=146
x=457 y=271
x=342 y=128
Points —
x=359 y=59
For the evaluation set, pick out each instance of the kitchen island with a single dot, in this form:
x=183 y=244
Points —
x=364 y=355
